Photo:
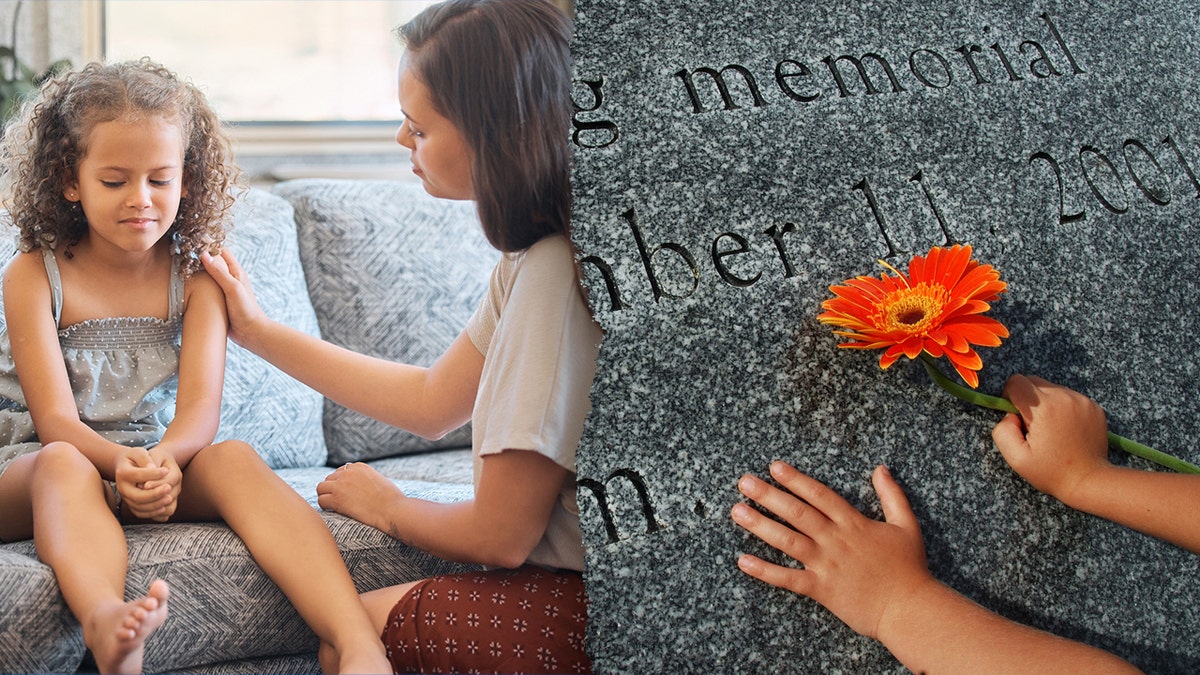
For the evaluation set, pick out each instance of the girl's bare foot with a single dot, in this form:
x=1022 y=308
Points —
x=116 y=634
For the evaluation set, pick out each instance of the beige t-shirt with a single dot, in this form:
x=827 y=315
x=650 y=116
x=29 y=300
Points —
x=540 y=345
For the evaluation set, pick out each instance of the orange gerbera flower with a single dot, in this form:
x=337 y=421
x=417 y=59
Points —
x=937 y=309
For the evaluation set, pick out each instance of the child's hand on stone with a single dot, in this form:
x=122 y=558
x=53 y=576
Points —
x=1064 y=438
x=135 y=469
x=855 y=567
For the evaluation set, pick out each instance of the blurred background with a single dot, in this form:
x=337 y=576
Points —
x=308 y=87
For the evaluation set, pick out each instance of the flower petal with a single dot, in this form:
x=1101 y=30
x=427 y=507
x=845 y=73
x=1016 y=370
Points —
x=968 y=359
x=938 y=307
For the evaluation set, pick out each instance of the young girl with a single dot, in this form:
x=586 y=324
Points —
x=485 y=90
x=110 y=395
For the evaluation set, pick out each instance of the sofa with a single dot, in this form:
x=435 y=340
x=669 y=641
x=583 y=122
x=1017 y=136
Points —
x=379 y=267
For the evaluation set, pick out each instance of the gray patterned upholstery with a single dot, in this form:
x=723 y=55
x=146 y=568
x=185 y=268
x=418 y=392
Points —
x=442 y=466
x=226 y=615
x=224 y=607
x=275 y=665
x=275 y=414
x=394 y=273
x=38 y=634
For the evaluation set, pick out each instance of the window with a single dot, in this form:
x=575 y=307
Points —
x=272 y=60
x=309 y=87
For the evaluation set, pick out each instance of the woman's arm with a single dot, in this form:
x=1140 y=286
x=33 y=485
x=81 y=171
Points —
x=426 y=401
x=500 y=527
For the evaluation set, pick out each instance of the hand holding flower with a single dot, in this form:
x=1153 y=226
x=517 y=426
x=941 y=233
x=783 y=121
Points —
x=936 y=310
x=1063 y=438
x=1061 y=450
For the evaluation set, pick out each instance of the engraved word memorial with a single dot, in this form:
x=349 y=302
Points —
x=735 y=159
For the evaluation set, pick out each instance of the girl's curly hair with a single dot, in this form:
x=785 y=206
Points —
x=43 y=145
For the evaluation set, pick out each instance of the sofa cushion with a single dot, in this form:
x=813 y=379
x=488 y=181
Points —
x=442 y=466
x=224 y=607
x=38 y=633
x=394 y=273
x=277 y=415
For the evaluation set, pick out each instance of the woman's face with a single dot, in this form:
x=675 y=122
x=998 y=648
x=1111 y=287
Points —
x=440 y=156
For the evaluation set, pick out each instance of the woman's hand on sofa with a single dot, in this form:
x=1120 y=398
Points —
x=360 y=492
x=240 y=303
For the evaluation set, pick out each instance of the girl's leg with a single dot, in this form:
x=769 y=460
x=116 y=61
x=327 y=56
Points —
x=378 y=604
x=292 y=544
x=16 y=502
x=76 y=533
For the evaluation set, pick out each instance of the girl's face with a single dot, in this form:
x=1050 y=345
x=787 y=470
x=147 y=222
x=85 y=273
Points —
x=440 y=156
x=130 y=182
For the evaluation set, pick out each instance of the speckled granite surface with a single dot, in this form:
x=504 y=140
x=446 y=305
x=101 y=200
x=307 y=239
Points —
x=1060 y=140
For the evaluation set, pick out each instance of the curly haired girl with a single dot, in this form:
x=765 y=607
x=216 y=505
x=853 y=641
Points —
x=111 y=364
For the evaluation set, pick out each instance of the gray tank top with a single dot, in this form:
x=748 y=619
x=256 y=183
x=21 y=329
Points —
x=124 y=373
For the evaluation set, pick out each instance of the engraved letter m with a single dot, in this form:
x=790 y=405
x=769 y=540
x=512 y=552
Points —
x=599 y=490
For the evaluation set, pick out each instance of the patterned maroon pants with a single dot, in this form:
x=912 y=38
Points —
x=527 y=620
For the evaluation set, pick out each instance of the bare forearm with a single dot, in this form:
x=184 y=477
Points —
x=937 y=630
x=1148 y=501
x=454 y=531
x=189 y=432
x=101 y=452
x=390 y=392
x=515 y=496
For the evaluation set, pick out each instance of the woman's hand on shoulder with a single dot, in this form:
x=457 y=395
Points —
x=244 y=312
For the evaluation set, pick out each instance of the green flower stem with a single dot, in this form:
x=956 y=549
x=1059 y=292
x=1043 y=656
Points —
x=1004 y=405
x=967 y=394
x=1147 y=452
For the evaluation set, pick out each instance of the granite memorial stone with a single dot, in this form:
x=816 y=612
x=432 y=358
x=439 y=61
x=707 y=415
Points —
x=735 y=159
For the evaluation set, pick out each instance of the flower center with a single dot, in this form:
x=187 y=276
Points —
x=913 y=310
